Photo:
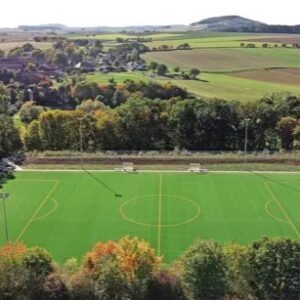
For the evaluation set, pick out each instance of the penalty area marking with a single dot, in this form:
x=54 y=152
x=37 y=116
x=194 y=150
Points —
x=55 y=206
x=268 y=211
x=43 y=202
x=269 y=202
x=288 y=219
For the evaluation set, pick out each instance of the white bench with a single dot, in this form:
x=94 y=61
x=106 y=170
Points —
x=128 y=167
x=196 y=168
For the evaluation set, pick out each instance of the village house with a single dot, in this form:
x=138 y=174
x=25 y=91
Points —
x=105 y=68
x=51 y=71
x=136 y=66
x=85 y=66
x=30 y=77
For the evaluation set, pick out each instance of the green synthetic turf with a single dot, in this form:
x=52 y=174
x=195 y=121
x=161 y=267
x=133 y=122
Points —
x=68 y=212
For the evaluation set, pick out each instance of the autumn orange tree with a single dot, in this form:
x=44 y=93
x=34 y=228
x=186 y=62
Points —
x=12 y=273
x=136 y=258
x=29 y=273
x=107 y=129
x=133 y=256
x=125 y=266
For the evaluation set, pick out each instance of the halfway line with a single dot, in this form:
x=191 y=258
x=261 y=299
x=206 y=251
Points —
x=159 y=216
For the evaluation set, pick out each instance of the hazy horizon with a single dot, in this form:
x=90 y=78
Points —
x=132 y=13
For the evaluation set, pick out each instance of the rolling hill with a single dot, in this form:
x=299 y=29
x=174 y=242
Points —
x=226 y=23
x=235 y=23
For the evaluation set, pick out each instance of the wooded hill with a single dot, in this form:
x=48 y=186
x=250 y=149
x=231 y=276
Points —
x=240 y=24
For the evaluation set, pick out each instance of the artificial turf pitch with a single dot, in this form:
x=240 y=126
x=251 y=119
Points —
x=68 y=212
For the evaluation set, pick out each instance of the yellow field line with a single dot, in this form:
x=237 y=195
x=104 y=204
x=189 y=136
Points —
x=155 y=196
x=37 y=210
x=282 y=209
x=268 y=211
x=159 y=216
x=36 y=180
x=49 y=212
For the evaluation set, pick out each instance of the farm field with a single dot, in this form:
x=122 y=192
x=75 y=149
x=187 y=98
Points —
x=67 y=212
x=286 y=76
x=221 y=40
x=227 y=86
x=279 y=39
x=195 y=39
x=113 y=36
x=217 y=56
x=232 y=73
x=118 y=77
x=234 y=88
x=104 y=36
x=7 y=46
x=226 y=60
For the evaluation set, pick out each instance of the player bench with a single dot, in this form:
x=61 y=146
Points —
x=196 y=168
x=128 y=167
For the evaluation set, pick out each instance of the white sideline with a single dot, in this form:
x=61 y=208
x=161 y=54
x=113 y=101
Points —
x=159 y=171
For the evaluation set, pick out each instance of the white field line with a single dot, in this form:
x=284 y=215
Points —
x=157 y=171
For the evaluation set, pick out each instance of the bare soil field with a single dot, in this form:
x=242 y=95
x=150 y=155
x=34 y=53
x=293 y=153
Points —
x=279 y=40
x=284 y=76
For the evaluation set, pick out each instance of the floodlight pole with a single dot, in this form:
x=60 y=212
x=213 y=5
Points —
x=4 y=196
x=81 y=139
x=81 y=146
x=246 y=138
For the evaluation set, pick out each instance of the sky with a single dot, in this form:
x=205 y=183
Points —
x=140 y=12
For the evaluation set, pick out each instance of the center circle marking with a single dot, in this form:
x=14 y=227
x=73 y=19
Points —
x=190 y=201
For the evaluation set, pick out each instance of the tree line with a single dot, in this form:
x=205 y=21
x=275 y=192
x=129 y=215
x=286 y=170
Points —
x=128 y=269
x=141 y=123
x=71 y=93
x=147 y=116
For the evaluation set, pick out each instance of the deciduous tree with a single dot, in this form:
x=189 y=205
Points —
x=238 y=273
x=162 y=70
x=29 y=112
x=204 y=271
x=286 y=127
x=275 y=268
x=194 y=73
x=10 y=142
